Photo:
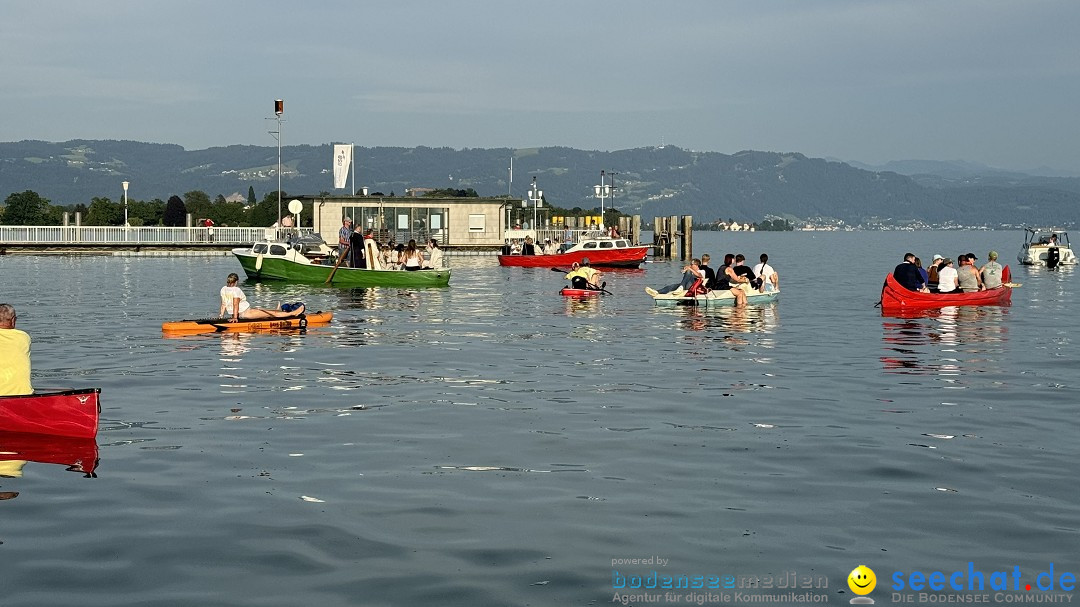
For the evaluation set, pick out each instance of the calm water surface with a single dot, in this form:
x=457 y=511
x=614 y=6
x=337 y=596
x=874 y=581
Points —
x=496 y=444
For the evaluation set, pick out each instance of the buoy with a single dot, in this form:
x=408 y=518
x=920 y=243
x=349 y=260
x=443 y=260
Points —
x=258 y=262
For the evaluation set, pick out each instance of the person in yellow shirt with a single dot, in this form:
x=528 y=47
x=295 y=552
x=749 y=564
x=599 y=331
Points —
x=14 y=355
x=583 y=276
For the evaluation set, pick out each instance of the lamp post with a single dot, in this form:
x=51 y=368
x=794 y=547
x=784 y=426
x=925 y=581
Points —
x=279 y=109
x=536 y=197
x=125 y=184
x=602 y=191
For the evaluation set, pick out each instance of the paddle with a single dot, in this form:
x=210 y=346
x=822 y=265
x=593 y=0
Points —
x=340 y=259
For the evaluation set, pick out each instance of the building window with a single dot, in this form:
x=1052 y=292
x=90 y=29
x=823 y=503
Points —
x=477 y=223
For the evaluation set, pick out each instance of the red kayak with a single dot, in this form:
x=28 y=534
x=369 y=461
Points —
x=78 y=454
x=568 y=292
x=896 y=297
x=62 y=412
x=604 y=252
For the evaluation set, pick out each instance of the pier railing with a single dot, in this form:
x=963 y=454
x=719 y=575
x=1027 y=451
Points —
x=140 y=235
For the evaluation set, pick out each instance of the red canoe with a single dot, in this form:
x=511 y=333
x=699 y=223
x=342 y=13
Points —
x=78 y=454
x=604 y=252
x=568 y=292
x=896 y=297
x=62 y=412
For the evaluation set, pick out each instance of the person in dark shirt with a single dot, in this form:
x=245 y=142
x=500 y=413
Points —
x=529 y=248
x=907 y=274
x=741 y=269
x=710 y=274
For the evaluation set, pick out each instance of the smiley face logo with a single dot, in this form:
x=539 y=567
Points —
x=862 y=580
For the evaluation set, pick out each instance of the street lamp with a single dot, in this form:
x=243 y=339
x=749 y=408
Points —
x=602 y=191
x=125 y=184
x=279 y=109
x=536 y=197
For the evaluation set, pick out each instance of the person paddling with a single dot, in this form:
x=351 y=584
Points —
x=583 y=276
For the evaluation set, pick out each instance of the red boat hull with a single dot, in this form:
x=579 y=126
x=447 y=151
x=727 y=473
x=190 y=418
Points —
x=568 y=292
x=895 y=297
x=629 y=257
x=63 y=413
x=78 y=454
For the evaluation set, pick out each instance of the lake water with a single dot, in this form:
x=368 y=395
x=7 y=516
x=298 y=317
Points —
x=496 y=444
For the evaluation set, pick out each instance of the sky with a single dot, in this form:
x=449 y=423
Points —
x=986 y=81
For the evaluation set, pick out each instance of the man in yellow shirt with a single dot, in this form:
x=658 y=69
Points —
x=14 y=355
x=585 y=277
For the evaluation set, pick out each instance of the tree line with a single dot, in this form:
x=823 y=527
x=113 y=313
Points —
x=28 y=208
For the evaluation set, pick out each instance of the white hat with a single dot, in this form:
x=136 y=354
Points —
x=937 y=257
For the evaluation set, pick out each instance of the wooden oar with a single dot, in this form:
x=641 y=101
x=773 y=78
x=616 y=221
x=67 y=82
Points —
x=1012 y=285
x=341 y=258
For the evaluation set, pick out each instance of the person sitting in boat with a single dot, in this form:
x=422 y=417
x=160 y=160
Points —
x=710 y=274
x=991 y=271
x=434 y=257
x=907 y=274
x=968 y=274
x=584 y=276
x=728 y=280
x=767 y=279
x=411 y=257
x=234 y=304
x=528 y=248
x=385 y=258
x=14 y=355
x=741 y=269
x=932 y=277
x=515 y=247
x=948 y=281
x=691 y=274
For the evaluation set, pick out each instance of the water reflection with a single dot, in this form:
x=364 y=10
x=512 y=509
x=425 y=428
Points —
x=581 y=306
x=18 y=448
x=747 y=319
x=939 y=342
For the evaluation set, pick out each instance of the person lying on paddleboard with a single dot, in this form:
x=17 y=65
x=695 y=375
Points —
x=234 y=304
x=582 y=276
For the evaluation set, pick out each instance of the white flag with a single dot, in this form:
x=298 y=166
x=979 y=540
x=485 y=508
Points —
x=342 y=160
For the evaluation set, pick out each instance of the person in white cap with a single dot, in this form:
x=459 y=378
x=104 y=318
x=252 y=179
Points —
x=932 y=273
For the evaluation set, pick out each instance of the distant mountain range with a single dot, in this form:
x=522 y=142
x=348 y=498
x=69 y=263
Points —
x=653 y=181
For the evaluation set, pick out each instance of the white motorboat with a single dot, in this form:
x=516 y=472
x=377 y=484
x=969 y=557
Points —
x=1046 y=247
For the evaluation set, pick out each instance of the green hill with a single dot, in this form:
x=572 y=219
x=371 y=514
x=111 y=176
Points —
x=666 y=180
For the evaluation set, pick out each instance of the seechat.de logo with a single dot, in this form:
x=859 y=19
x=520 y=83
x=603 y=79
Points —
x=862 y=581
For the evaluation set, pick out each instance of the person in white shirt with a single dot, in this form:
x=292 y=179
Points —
x=235 y=306
x=768 y=280
x=948 y=280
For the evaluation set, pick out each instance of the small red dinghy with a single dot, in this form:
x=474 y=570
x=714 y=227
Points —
x=60 y=412
x=896 y=297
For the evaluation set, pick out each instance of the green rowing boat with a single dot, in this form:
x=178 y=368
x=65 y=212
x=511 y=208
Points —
x=281 y=261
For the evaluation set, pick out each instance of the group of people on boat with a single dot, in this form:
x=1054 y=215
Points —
x=529 y=247
x=355 y=245
x=733 y=276
x=942 y=276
